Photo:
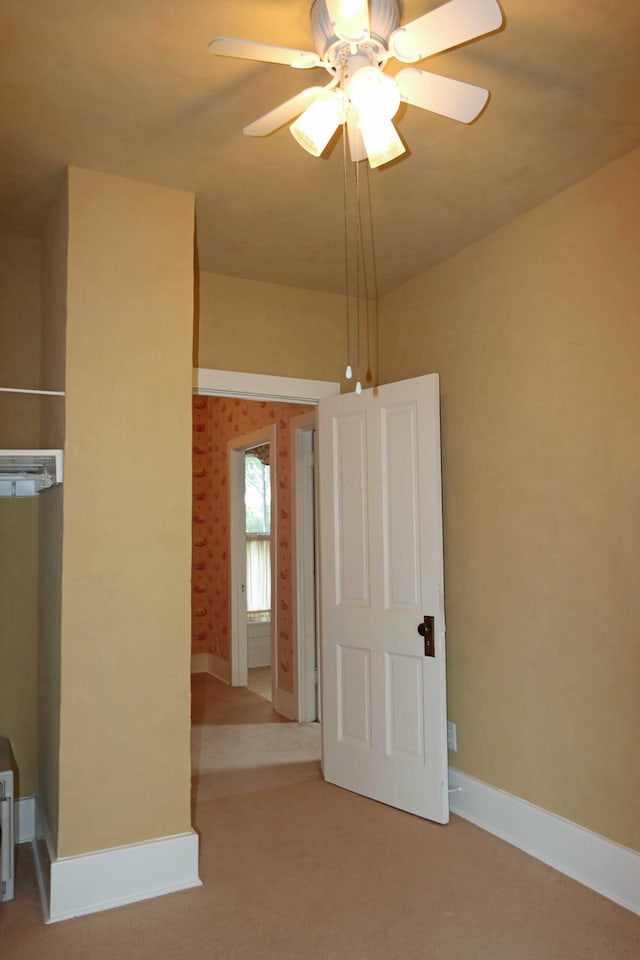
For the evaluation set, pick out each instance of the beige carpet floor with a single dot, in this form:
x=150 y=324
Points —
x=297 y=868
x=260 y=681
x=245 y=746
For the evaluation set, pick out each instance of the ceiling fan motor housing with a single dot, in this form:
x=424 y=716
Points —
x=384 y=18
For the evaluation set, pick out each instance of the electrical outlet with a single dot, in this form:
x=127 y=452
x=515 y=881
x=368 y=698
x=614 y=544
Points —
x=452 y=736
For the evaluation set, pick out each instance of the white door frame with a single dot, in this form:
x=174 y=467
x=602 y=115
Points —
x=304 y=567
x=256 y=386
x=259 y=386
x=238 y=554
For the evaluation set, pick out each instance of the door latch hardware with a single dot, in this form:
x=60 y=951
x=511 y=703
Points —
x=426 y=630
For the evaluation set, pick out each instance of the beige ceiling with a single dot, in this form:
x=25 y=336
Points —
x=128 y=87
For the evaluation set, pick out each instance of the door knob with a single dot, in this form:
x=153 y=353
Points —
x=426 y=630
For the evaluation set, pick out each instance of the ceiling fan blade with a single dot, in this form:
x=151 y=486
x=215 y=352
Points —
x=350 y=18
x=450 y=98
x=282 y=114
x=447 y=26
x=265 y=52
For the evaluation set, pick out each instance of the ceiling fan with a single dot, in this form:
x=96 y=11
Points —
x=354 y=40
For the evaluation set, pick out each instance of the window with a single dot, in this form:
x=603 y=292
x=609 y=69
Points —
x=257 y=501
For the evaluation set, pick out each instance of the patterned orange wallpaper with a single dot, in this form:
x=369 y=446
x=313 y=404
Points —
x=215 y=421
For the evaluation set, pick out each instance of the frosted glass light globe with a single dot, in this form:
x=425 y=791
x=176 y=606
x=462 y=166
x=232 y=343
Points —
x=315 y=127
x=381 y=140
x=370 y=91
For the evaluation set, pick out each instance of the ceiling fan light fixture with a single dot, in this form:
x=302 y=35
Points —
x=314 y=128
x=353 y=40
x=381 y=140
x=371 y=92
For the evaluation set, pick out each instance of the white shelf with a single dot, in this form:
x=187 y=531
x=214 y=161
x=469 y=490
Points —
x=24 y=473
x=41 y=393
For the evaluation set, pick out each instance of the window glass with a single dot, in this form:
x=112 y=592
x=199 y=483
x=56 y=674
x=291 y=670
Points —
x=257 y=495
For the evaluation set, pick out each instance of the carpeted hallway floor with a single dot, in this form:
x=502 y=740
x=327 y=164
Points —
x=296 y=868
x=260 y=681
x=239 y=744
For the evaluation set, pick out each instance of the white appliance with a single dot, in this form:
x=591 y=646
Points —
x=7 y=837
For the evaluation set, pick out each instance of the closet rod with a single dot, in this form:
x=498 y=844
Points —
x=44 y=393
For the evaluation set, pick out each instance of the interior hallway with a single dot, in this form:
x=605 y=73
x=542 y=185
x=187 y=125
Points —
x=293 y=867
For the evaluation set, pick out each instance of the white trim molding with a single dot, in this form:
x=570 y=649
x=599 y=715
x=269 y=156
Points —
x=111 y=878
x=600 y=864
x=200 y=662
x=211 y=664
x=42 y=847
x=256 y=386
x=219 y=668
x=24 y=818
x=304 y=566
x=286 y=704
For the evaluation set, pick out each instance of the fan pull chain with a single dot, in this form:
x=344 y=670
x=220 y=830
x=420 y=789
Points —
x=358 y=262
x=348 y=372
x=374 y=284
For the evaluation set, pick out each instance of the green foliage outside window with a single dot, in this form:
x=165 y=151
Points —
x=257 y=495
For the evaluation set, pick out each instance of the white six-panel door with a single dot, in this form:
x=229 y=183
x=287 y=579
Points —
x=384 y=701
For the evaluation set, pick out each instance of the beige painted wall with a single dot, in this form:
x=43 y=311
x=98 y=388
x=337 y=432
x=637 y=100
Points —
x=124 y=772
x=266 y=328
x=535 y=334
x=52 y=377
x=49 y=652
x=20 y=268
x=54 y=317
x=19 y=635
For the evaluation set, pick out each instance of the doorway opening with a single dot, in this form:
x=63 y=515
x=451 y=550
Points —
x=231 y=410
x=273 y=556
x=253 y=534
x=381 y=536
x=257 y=504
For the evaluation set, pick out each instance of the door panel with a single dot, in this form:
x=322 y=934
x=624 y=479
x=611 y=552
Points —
x=400 y=507
x=354 y=696
x=350 y=480
x=384 y=701
x=404 y=707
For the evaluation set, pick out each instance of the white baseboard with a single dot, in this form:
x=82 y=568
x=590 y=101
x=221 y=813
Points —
x=111 y=878
x=600 y=864
x=199 y=662
x=24 y=811
x=286 y=704
x=43 y=855
x=210 y=663
x=73 y=886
